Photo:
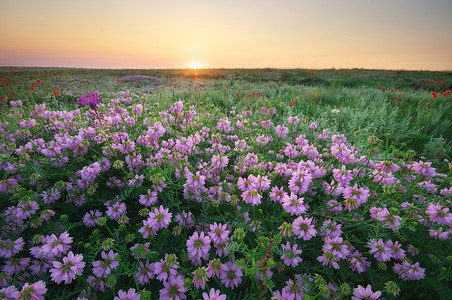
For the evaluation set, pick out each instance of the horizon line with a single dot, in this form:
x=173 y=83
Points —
x=228 y=68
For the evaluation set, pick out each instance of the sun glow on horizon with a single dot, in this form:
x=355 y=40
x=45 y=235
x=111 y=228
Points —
x=195 y=65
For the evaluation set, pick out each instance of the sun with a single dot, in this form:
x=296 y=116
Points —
x=195 y=65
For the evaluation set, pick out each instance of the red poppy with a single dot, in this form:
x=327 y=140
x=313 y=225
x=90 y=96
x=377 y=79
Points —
x=236 y=95
x=392 y=91
x=31 y=77
x=56 y=93
x=38 y=80
x=10 y=95
x=384 y=91
x=292 y=103
x=434 y=95
x=227 y=90
x=249 y=95
x=131 y=81
x=259 y=94
x=254 y=94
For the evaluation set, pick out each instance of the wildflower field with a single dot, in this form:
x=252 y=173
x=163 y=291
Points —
x=225 y=184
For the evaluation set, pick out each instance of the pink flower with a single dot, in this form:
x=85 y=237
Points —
x=357 y=262
x=164 y=270
x=252 y=197
x=130 y=295
x=439 y=214
x=174 y=288
x=365 y=293
x=198 y=246
x=380 y=250
x=281 y=130
x=9 y=248
x=90 y=219
x=423 y=168
x=300 y=181
x=145 y=272
x=218 y=233
x=303 y=228
x=148 y=199
x=57 y=246
x=160 y=218
x=329 y=259
x=290 y=255
x=72 y=266
x=294 y=205
x=407 y=271
x=213 y=295
x=33 y=291
x=231 y=275
x=103 y=268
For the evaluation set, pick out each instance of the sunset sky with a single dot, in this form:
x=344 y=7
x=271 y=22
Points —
x=383 y=34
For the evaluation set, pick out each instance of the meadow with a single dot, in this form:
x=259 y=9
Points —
x=207 y=184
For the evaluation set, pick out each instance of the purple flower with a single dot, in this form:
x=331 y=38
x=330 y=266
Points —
x=231 y=275
x=213 y=295
x=116 y=210
x=72 y=266
x=357 y=262
x=91 y=99
x=103 y=268
x=14 y=266
x=286 y=295
x=423 y=168
x=200 y=277
x=294 y=205
x=300 y=181
x=407 y=271
x=380 y=250
x=9 y=248
x=365 y=293
x=145 y=272
x=218 y=233
x=174 y=288
x=148 y=199
x=329 y=259
x=185 y=219
x=57 y=246
x=335 y=245
x=10 y=293
x=252 y=197
x=160 y=218
x=290 y=255
x=281 y=130
x=303 y=228
x=343 y=175
x=130 y=295
x=90 y=219
x=164 y=270
x=198 y=246
x=33 y=291
x=439 y=214
x=214 y=268
x=396 y=248
x=277 y=194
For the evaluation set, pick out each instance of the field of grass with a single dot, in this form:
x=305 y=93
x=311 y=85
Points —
x=251 y=184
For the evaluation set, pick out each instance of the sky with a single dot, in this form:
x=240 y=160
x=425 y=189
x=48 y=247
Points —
x=147 y=34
